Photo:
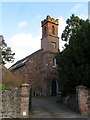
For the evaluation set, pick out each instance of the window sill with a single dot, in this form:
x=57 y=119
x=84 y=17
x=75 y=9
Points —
x=54 y=66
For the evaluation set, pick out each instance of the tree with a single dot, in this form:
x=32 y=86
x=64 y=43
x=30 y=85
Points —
x=6 y=54
x=74 y=61
x=71 y=27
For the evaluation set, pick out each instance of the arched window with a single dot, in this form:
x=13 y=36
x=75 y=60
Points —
x=53 y=44
x=54 y=62
x=45 y=30
x=53 y=30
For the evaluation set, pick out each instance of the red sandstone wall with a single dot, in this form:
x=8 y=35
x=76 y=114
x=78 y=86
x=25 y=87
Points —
x=48 y=72
x=37 y=73
x=46 y=43
x=49 y=29
x=22 y=73
x=31 y=72
x=39 y=70
x=34 y=66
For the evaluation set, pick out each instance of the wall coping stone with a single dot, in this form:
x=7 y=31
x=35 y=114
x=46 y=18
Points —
x=81 y=87
x=25 y=85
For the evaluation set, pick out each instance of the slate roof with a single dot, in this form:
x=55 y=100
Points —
x=23 y=61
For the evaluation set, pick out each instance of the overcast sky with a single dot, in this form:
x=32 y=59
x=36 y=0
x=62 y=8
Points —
x=21 y=22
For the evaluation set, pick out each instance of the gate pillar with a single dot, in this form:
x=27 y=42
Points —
x=25 y=89
x=82 y=99
x=88 y=103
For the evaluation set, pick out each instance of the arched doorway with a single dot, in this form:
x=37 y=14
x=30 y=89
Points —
x=54 y=88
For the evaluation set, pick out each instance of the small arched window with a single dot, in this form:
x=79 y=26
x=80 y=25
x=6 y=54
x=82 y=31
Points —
x=45 y=30
x=53 y=45
x=54 y=62
x=53 y=30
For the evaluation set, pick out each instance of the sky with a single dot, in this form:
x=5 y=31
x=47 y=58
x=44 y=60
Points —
x=21 y=23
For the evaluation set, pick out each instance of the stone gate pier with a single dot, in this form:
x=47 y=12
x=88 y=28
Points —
x=25 y=100
x=83 y=100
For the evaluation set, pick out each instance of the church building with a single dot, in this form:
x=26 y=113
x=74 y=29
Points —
x=39 y=69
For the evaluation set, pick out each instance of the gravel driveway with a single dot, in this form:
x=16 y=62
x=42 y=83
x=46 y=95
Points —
x=47 y=107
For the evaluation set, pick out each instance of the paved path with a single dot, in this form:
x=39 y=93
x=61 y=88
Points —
x=47 y=107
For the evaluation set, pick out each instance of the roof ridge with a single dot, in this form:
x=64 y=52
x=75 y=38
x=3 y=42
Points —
x=24 y=60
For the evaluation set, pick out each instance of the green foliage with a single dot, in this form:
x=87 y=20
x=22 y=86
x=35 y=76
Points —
x=74 y=61
x=2 y=86
x=6 y=54
x=71 y=28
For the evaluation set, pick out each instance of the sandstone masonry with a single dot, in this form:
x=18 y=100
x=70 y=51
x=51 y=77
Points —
x=11 y=100
x=39 y=68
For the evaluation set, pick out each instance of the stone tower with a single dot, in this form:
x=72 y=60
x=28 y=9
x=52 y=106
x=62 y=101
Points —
x=50 y=46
